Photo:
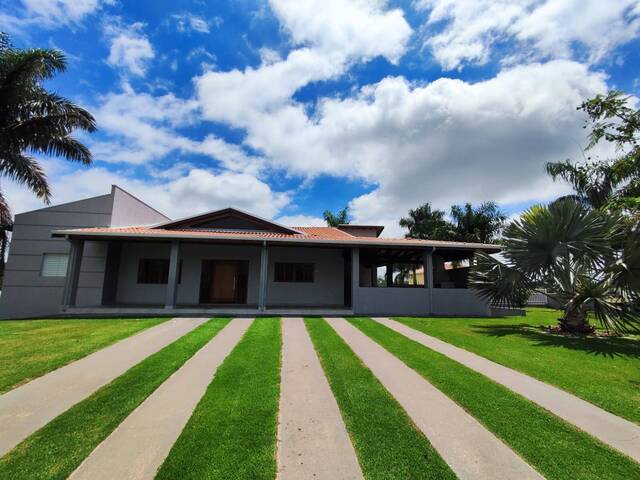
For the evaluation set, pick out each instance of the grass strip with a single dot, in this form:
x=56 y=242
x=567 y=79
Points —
x=232 y=432
x=603 y=371
x=387 y=443
x=31 y=348
x=553 y=447
x=56 y=450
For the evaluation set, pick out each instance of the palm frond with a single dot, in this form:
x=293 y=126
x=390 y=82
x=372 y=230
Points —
x=25 y=170
x=498 y=283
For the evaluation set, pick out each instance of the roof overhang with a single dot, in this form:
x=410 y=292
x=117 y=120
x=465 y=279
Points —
x=306 y=241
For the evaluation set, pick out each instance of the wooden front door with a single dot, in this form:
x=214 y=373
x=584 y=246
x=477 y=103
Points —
x=223 y=281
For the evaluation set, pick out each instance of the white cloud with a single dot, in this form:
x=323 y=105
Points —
x=445 y=142
x=140 y=128
x=331 y=35
x=187 y=22
x=49 y=14
x=198 y=190
x=301 y=221
x=540 y=28
x=130 y=48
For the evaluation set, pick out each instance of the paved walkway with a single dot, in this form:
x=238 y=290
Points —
x=137 y=448
x=26 y=409
x=312 y=439
x=470 y=449
x=616 y=432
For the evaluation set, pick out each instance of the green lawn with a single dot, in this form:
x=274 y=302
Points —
x=232 y=432
x=554 y=448
x=387 y=443
x=56 y=450
x=31 y=348
x=603 y=371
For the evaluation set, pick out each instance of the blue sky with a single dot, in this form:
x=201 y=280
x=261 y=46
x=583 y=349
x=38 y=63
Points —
x=290 y=107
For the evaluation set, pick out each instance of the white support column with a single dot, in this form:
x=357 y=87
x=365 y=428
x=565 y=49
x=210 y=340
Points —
x=172 y=281
x=355 y=278
x=428 y=275
x=264 y=274
x=73 y=273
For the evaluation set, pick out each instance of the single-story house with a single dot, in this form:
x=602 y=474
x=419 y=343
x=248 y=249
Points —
x=115 y=255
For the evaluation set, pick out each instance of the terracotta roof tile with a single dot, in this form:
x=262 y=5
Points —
x=308 y=235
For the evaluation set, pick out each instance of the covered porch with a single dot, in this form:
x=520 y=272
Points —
x=143 y=277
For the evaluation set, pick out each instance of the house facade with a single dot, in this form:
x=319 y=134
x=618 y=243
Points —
x=115 y=255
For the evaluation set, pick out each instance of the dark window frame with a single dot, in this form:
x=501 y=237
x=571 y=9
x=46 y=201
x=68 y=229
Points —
x=161 y=277
x=294 y=272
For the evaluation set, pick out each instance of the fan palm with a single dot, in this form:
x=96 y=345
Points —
x=35 y=121
x=579 y=257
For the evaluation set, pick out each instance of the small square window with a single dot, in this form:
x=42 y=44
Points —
x=54 y=265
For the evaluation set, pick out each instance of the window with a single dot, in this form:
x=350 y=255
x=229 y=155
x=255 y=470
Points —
x=294 y=272
x=156 y=271
x=54 y=265
x=391 y=268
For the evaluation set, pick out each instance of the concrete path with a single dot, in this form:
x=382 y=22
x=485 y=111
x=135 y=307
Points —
x=470 y=449
x=26 y=409
x=313 y=442
x=616 y=432
x=137 y=448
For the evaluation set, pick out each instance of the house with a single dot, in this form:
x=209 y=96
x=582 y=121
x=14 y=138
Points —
x=115 y=255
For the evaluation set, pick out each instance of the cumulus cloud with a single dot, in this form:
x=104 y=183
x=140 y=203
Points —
x=443 y=142
x=198 y=190
x=140 y=128
x=301 y=221
x=129 y=48
x=330 y=35
x=542 y=29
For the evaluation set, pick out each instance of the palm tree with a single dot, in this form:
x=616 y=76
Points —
x=481 y=224
x=339 y=218
x=594 y=183
x=580 y=257
x=35 y=121
x=424 y=222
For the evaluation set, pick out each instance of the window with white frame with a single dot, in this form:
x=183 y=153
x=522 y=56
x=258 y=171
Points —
x=54 y=264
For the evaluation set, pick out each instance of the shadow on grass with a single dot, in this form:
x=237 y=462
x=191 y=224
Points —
x=606 y=347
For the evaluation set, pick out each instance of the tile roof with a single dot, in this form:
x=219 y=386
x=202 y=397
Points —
x=319 y=235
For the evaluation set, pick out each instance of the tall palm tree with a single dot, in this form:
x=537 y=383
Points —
x=594 y=183
x=427 y=223
x=35 y=121
x=480 y=224
x=580 y=257
x=341 y=217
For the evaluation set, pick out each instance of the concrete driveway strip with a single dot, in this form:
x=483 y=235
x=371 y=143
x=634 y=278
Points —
x=469 y=448
x=137 y=448
x=26 y=409
x=616 y=432
x=313 y=442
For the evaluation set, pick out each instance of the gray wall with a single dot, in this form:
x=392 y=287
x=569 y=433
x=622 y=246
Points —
x=327 y=288
x=392 y=301
x=459 y=301
x=27 y=294
x=192 y=254
x=128 y=210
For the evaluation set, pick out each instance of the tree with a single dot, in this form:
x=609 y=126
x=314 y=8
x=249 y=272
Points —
x=35 y=121
x=481 y=224
x=341 y=217
x=424 y=222
x=612 y=184
x=582 y=258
